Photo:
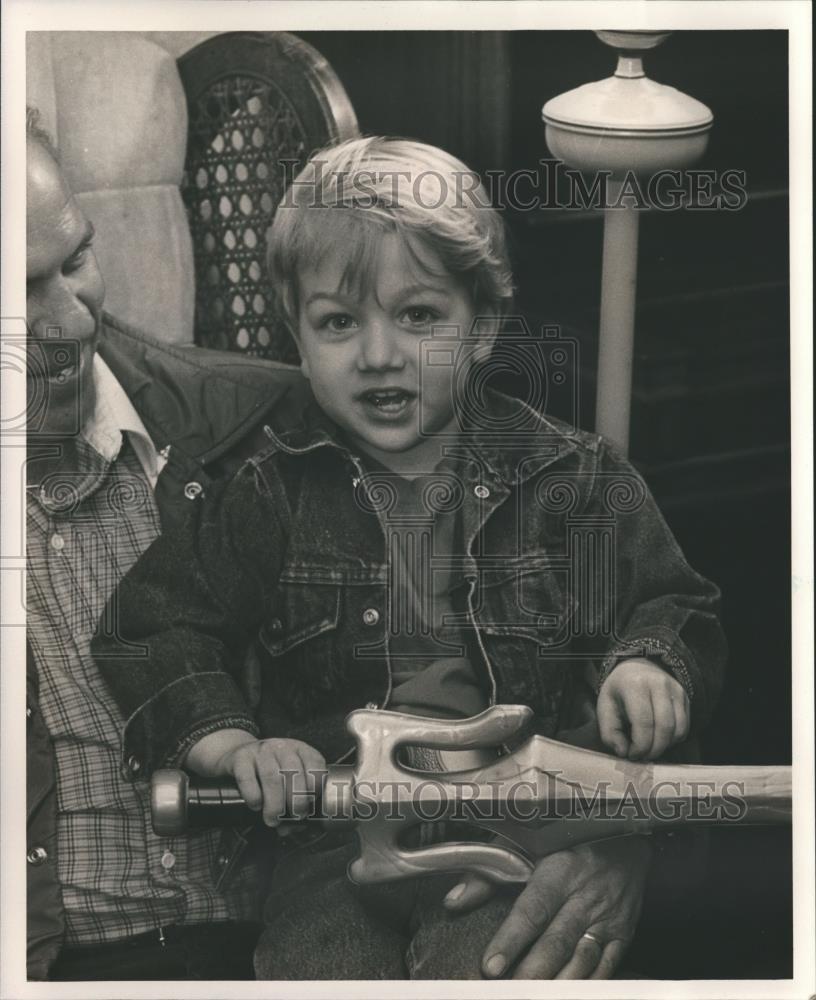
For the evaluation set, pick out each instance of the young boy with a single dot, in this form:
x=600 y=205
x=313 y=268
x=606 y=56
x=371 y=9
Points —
x=412 y=540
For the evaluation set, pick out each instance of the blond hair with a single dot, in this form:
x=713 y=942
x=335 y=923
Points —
x=349 y=196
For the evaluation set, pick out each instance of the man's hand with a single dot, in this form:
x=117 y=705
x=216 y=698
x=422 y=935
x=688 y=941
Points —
x=642 y=710
x=279 y=776
x=595 y=889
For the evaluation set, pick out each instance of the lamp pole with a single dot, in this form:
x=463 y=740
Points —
x=624 y=125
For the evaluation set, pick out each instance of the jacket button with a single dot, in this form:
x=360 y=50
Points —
x=482 y=492
x=134 y=764
x=371 y=616
x=168 y=859
x=29 y=711
x=223 y=860
x=57 y=542
x=37 y=856
x=193 y=490
x=371 y=705
x=276 y=625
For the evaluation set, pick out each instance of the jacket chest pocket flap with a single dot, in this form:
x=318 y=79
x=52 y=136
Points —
x=298 y=613
x=532 y=603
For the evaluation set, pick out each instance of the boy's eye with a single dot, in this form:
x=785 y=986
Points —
x=338 y=323
x=420 y=315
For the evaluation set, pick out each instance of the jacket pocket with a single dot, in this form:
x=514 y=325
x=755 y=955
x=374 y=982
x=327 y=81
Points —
x=299 y=612
x=301 y=659
x=526 y=616
x=535 y=604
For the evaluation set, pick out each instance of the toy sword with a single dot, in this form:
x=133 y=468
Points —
x=543 y=797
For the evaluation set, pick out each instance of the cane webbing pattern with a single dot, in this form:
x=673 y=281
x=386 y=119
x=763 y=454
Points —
x=259 y=104
x=232 y=185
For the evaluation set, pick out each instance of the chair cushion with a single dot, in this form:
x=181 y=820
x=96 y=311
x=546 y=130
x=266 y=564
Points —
x=115 y=105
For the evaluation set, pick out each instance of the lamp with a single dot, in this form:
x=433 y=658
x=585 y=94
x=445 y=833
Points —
x=625 y=124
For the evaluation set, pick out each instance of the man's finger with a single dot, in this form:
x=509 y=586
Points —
x=561 y=942
x=471 y=892
x=531 y=913
x=584 y=959
x=610 y=960
x=547 y=957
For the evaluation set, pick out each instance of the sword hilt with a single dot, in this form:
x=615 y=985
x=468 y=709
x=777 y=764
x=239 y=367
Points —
x=543 y=797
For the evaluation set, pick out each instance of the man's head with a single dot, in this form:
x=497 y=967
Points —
x=64 y=293
x=377 y=245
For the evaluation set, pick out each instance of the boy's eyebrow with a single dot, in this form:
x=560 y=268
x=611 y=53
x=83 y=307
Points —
x=333 y=296
x=405 y=293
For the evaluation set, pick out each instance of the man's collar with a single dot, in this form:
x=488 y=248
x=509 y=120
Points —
x=115 y=415
x=98 y=445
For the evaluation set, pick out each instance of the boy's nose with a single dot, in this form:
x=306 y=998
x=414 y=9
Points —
x=380 y=348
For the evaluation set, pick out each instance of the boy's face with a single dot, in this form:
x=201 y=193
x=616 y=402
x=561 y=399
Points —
x=363 y=355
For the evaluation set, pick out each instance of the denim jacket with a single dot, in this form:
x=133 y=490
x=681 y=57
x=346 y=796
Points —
x=565 y=563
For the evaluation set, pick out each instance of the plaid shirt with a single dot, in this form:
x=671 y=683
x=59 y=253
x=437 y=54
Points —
x=85 y=529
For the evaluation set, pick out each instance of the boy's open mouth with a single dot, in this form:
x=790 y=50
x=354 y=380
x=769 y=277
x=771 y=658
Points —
x=390 y=400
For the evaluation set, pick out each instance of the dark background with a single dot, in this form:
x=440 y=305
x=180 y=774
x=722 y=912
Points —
x=711 y=419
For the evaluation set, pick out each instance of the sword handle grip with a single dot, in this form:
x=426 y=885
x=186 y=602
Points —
x=179 y=804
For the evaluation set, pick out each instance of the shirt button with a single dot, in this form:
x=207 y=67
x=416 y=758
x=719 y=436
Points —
x=371 y=616
x=134 y=764
x=276 y=625
x=37 y=856
x=193 y=490
x=57 y=542
x=482 y=492
x=168 y=859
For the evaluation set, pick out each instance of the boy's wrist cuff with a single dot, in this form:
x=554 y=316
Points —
x=654 y=649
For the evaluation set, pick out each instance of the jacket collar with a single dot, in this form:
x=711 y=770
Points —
x=511 y=439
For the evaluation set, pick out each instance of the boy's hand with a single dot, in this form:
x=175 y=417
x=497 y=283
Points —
x=276 y=775
x=279 y=776
x=642 y=710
